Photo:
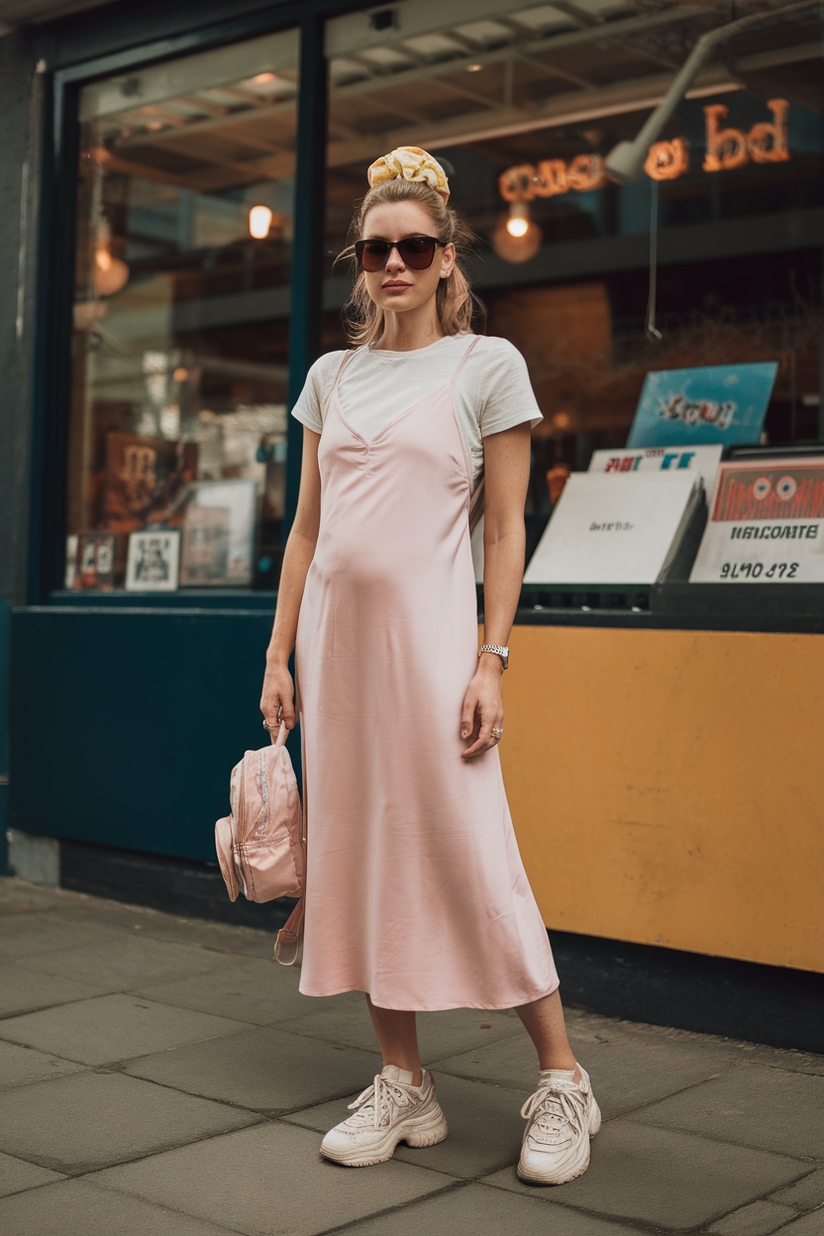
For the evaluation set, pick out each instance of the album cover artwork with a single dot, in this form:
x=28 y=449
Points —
x=94 y=561
x=714 y=404
x=205 y=555
x=153 y=560
x=766 y=524
x=143 y=477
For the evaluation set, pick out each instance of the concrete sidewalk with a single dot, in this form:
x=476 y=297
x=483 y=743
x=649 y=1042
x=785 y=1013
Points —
x=164 y=1077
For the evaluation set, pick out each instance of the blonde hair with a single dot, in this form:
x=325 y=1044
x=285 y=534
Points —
x=455 y=302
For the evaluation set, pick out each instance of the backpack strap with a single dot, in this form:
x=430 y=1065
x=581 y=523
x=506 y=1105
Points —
x=288 y=938
x=287 y=942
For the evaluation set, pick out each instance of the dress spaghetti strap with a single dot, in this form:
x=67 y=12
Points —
x=463 y=361
x=347 y=356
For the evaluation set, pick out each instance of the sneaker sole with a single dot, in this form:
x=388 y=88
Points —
x=534 y=1178
x=427 y=1130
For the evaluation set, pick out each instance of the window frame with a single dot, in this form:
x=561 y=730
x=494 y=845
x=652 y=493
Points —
x=56 y=242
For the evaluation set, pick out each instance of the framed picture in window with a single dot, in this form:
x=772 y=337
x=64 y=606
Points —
x=219 y=533
x=94 y=561
x=205 y=555
x=153 y=560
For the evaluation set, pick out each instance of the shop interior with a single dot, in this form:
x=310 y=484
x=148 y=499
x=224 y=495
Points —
x=185 y=212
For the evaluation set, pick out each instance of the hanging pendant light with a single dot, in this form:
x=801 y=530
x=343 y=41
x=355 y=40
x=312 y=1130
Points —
x=518 y=222
x=260 y=220
x=517 y=238
x=110 y=273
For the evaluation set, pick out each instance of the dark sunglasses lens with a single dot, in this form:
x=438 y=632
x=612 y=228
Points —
x=417 y=252
x=373 y=254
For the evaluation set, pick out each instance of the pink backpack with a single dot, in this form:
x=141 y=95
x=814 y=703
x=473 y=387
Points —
x=261 y=846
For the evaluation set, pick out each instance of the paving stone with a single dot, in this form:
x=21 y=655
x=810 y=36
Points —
x=263 y=1069
x=31 y=935
x=90 y=1120
x=155 y=924
x=759 y=1219
x=439 y=1034
x=77 y=1208
x=659 y=1176
x=584 y=1026
x=808 y=1225
x=128 y=961
x=629 y=1065
x=18 y=897
x=477 y=1210
x=116 y=1027
x=22 y=990
x=753 y=1106
x=270 y=1179
x=778 y=1058
x=804 y=1193
x=254 y=990
x=485 y=1127
x=16 y=1176
x=21 y=1065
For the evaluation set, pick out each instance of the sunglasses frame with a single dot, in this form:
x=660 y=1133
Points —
x=360 y=245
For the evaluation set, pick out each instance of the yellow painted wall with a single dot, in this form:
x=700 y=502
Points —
x=667 y=787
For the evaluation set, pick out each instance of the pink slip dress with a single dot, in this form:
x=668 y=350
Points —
x=415 y=890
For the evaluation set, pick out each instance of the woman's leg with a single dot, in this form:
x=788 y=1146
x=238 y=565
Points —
x=544 y=1022
x=397 y=1036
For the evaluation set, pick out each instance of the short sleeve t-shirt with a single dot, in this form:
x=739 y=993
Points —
x=493 y=391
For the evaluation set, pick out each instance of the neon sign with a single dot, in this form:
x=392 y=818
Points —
x=726 y=148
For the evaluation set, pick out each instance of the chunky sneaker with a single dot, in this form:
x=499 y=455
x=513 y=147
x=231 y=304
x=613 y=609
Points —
x=389 y=1111
x=561 y=1117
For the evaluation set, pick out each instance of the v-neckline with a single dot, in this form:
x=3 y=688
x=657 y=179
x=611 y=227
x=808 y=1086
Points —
x=399 y=416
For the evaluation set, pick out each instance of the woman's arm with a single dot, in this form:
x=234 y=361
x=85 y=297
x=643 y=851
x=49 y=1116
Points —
x=506 y=477
x=278 y=690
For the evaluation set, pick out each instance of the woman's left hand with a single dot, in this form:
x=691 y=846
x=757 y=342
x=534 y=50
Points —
x=483 y=709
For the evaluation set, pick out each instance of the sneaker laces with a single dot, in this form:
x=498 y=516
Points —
x=374 y=1104
x=552 y=1107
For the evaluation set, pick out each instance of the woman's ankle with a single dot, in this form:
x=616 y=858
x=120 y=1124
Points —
x=415 y=1071
x=564 y=1061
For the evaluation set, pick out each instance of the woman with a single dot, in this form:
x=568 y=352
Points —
x=416 y=894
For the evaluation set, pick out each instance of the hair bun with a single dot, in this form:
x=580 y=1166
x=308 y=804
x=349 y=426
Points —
x=410 y=163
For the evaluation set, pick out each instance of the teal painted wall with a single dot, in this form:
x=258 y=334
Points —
x=128 y=722
x=4 y=733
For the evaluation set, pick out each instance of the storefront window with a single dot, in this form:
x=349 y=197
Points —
x=178 y=413
x=523 y=107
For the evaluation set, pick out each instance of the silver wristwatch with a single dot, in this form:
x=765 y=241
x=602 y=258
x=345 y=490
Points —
x=500 y=649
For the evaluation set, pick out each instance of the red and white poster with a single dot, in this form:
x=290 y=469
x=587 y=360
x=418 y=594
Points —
x=766 y=524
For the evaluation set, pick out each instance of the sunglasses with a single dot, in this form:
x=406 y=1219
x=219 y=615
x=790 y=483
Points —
x=416 y=252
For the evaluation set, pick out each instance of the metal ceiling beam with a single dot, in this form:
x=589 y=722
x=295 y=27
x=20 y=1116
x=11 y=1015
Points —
x=379 y=81
x=14 y=13
x=571 y=108
x=552 y=70
x=557 y=42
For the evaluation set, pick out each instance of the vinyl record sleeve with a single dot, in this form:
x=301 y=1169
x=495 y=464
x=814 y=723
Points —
x=692 y=407
x=766 y=524
x=618 y=529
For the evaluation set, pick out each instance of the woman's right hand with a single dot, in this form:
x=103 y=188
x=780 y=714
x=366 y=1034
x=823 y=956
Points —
x=278 y=695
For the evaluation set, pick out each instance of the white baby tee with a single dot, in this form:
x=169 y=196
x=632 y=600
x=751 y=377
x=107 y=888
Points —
x=493 y=391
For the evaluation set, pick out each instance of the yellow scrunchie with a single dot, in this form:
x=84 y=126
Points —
x=410 y=163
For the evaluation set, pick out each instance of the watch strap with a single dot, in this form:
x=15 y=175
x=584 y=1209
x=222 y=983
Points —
x=499 y=649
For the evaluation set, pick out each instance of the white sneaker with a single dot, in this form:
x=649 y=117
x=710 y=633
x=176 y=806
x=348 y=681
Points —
x=561 y=1116
x=389 y=1111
